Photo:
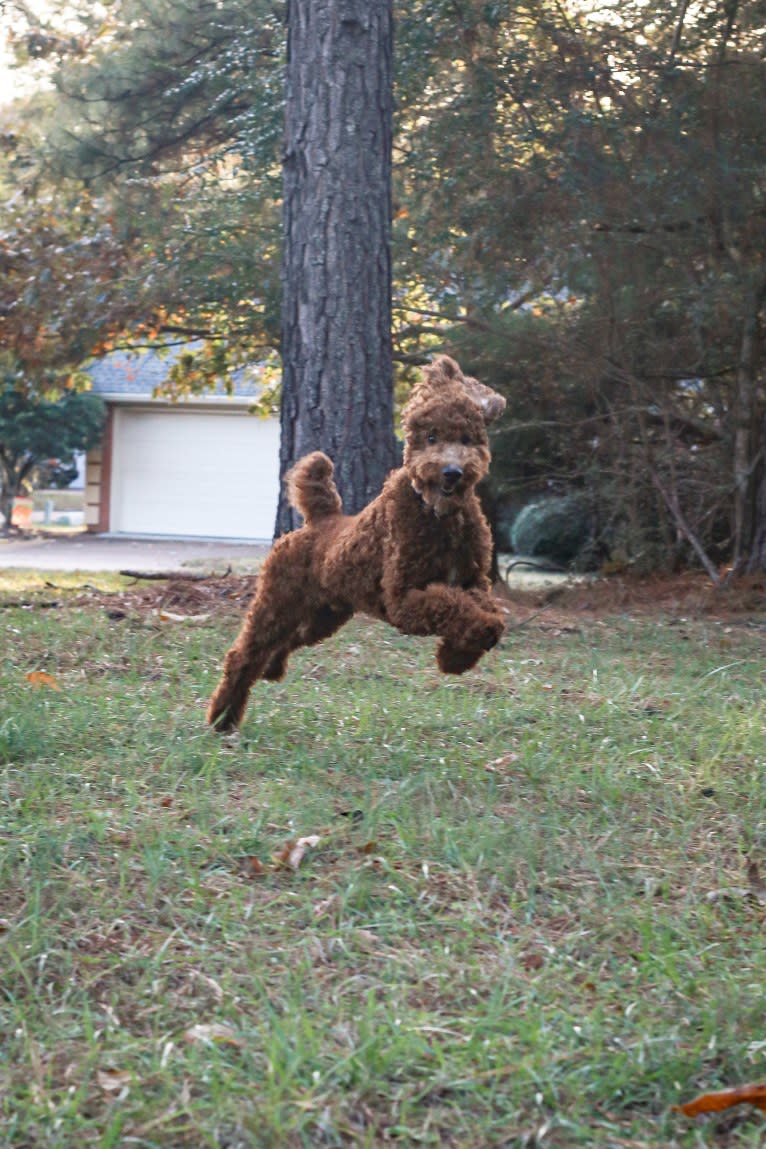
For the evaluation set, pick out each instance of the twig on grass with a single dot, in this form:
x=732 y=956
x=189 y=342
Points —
x=82 y=586
x=29 y=604
x=188 y=576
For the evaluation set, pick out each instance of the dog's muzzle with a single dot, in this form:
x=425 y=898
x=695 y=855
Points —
x=451 y=476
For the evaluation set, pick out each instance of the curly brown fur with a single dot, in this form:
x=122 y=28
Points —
x=418 y=557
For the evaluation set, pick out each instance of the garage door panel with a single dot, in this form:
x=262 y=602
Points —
x=198 y=474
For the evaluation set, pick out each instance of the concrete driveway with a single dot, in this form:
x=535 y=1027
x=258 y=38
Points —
x=87 y=552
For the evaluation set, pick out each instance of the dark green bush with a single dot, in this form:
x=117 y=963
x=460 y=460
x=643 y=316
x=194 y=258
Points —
x=557 y=528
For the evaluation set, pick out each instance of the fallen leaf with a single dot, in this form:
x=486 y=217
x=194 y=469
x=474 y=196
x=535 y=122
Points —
x=40 y=678
x=368 y=847
x=292 y=853
x=326 y=906
x=210 y=982
x=367 y=941
x=113 y=1080
x=172 y=616
x=254 y=867
x=212 y=1033
x=501 y=762
x=120 y=837
x=725 y=1099
x=755 y=881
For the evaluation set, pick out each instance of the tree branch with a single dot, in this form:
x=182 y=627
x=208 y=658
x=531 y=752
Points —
x=671 y=501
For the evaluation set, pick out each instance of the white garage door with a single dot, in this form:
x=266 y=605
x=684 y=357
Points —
x=201 y=474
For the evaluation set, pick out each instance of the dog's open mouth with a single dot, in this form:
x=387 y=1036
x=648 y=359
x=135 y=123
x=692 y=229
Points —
x=451 y=481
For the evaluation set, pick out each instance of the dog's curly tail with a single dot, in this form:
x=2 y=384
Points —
x=311 y=489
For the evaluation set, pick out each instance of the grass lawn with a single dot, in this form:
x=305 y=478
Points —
x=530 y=909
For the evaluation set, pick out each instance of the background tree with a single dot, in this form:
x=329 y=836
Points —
x=616 y=230
x=175 y=118
x=172 y=113
x=34 y=429
x=337 y=384
x=578 y=215
x=59 y=264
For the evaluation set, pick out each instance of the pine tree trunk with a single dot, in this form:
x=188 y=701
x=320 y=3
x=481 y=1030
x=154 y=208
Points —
x=337 y=391
x=750 y=445
x=756 y=563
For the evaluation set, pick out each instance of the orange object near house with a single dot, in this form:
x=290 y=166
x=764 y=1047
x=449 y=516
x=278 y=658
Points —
x=22 y=511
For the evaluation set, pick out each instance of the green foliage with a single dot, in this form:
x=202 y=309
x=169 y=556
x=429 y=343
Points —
x=614 y=168
x=557 y=528
x=179 y=122
x=210 y=74
x=47 y=428
x=578 y=212
x=34 y=428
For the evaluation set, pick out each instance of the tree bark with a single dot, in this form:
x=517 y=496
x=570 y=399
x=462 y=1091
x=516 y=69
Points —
x=756 y=562
x=748 y=499
x=6 y=508
x=11 y=478
x=337 y=389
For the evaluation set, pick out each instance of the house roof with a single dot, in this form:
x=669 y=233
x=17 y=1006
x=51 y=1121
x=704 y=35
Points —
x=139 y=373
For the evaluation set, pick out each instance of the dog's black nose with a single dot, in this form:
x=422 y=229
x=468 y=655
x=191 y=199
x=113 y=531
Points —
x=451 y=475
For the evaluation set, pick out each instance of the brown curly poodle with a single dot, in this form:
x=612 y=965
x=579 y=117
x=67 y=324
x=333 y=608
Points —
x=417 y=557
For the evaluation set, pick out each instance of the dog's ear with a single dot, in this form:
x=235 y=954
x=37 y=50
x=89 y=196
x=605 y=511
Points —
x=440 y=370
x=443 y=370
x=492 y=403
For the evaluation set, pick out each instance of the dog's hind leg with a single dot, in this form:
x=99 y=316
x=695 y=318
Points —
x=274 y=617
x=246 y=662
x=321 y=625
x=274 y=627
x=228 y=702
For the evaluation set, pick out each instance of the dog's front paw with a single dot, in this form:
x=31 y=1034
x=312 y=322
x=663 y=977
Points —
x=456 y=659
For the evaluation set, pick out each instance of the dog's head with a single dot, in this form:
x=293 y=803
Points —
x=446 y=449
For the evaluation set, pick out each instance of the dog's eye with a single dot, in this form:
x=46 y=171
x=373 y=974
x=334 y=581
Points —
x=431 y=437
x=465 y=440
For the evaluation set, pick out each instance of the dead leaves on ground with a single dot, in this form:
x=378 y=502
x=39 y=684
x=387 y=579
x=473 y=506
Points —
x=754 y=892
x=291 y=855
x=41 y=680
x=212 y=1033
x=503 y=764
x=174 y=599
x=288 y=857
x=725 y=1099
x=114 y=1081
x=293 y=852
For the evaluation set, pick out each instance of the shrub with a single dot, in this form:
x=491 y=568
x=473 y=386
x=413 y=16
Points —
x=558 y=528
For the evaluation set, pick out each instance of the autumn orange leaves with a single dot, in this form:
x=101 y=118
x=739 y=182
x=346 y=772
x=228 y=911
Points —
x=725 y=1099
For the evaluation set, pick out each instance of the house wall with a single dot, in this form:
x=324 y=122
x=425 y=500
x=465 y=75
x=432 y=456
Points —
x=98 y=474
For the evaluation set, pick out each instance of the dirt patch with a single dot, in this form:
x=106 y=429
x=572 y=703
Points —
x=176 y=594
x=689 y=594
